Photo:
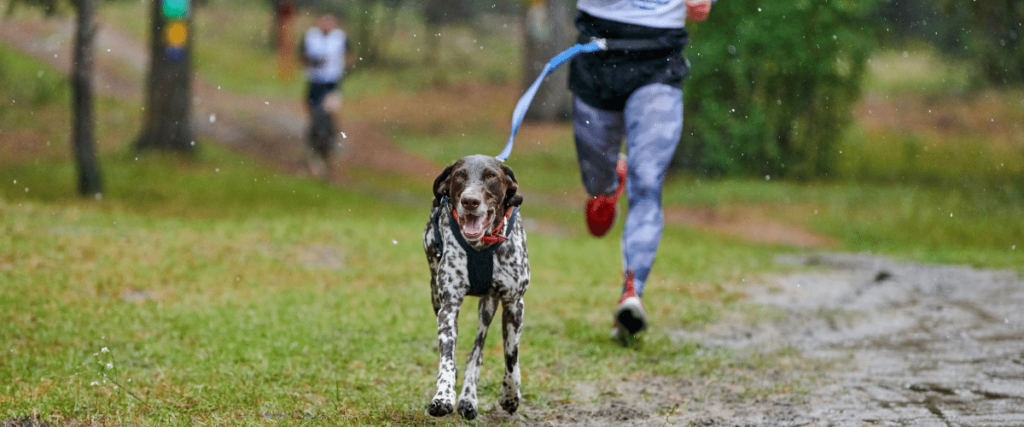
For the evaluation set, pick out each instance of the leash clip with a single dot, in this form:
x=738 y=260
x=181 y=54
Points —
x=600 y=42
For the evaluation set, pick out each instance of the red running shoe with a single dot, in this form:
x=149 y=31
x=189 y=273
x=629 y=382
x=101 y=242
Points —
x=630 y=315
x=601 y=209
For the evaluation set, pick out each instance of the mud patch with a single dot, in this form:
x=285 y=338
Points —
x=876 y=343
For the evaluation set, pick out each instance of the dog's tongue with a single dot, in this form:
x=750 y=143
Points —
x=474 y=225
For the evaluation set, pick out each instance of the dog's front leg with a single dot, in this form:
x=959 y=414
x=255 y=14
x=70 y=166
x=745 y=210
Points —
x=467 y=399
x=511 y=329
x=447 y=332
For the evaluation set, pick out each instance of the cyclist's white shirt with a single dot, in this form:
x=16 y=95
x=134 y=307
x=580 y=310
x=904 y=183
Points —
x=649 y=13
x=330 y=47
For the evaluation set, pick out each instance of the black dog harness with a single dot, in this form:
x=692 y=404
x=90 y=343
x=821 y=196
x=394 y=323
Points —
x=479 y=264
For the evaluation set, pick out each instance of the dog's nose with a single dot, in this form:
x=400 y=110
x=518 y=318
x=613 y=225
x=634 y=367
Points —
x=470 y=203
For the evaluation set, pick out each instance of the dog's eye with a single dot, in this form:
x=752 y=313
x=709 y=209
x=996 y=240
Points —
x=490 y=175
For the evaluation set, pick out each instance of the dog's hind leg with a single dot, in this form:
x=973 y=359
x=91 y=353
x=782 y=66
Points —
x=468 y=399
x=511 y=329
x=447 y=332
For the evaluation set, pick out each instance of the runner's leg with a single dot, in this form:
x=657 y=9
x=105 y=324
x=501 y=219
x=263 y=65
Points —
x=598 y=135
x=654 y=122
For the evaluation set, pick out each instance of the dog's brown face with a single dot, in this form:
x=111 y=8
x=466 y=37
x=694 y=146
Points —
x=481 y=189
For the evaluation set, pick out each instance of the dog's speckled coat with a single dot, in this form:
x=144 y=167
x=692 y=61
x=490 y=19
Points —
x=476 y=186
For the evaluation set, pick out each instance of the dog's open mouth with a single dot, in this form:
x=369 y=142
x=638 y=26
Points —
x=474 y=226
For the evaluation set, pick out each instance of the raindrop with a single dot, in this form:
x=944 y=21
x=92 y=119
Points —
x=950 y=214
x=217 y=170
x=343 y=136
x=394 y=242
x=26 y=189
x=769 y=178
x=905 y=54
x=266 y=102
x=758 y=9
x=213 y=118
x=15 y=181
x=193 y=143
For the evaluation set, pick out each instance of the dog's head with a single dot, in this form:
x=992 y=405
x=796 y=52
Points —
x=480 y=189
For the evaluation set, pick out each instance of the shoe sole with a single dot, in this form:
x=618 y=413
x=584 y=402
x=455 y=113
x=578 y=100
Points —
x=630 y=315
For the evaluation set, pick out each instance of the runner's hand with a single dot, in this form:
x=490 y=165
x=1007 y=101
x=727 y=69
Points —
x=697 y=10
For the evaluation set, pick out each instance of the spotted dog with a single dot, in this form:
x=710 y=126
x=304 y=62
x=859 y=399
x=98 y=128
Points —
x=476 y=246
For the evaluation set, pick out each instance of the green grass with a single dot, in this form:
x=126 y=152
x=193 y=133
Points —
x=238 y=295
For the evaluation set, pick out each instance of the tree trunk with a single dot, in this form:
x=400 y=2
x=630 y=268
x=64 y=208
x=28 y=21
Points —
x=89 y=183
x=167 y=124
x=547 y=26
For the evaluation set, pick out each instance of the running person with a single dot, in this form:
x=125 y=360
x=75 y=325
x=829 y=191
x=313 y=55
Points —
x=633 y=94
x=323 y=54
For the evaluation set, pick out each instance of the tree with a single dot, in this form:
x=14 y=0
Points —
x=82 y=105
x=772 y=86
x=89 y=183
x=547 y=29
x=167 y=123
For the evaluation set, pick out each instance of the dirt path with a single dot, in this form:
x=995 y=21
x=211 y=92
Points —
x=879 y=344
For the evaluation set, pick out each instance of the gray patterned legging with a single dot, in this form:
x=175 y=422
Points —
x=651 y=122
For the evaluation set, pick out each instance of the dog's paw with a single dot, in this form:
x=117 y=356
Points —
x=509 y=403
x=467 y=409
x=440 y=407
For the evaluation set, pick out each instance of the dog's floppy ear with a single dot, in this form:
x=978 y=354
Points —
x=441 y=185
x=511 y=187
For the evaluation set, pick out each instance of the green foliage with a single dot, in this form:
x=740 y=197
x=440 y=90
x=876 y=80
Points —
x=772 y=86
x=993 y=34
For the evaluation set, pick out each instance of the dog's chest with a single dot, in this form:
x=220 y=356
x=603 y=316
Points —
x=462 y=265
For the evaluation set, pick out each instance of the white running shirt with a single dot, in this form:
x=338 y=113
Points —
x=649 y=13
x=331 y=48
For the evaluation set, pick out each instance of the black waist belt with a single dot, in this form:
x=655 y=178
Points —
x=628 y=44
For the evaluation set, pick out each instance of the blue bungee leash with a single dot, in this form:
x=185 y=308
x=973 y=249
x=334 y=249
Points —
x=524 y=102
x=594 y=45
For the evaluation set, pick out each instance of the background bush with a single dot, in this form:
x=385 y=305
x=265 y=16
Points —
x=772 y=86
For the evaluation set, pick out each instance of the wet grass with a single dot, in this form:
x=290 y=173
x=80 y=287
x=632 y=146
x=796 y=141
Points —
x=214 y=290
